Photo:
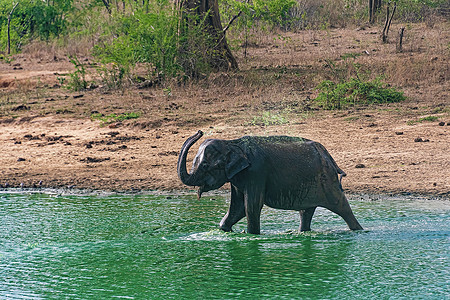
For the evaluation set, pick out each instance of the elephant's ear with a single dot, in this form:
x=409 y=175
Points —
x=236 y=161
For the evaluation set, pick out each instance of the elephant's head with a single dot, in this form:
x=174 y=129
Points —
x=216 y=162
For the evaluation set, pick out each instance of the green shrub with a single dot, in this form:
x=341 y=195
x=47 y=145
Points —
x=112 y=76
x=271 y=12
x=423 y=119
x=77 y=80
x=418 y=10
x=154 y=35
x=355 y=92
x=33 y=19
x=254 y=16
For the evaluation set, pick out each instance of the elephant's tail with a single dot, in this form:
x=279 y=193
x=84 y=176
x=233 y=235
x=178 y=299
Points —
x=338 y=170
x=321 y=149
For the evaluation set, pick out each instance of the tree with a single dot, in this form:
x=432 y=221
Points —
x=206 y=13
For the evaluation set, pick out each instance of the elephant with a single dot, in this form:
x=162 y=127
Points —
x=282 y=172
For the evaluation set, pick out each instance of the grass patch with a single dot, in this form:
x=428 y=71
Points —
x=346 y=56
x=355 y=92
x=352 y=118
x=267 y=118
x=424 y=119
x=112 y=118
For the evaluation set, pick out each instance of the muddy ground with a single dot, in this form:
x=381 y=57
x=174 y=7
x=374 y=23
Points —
x=49 y=139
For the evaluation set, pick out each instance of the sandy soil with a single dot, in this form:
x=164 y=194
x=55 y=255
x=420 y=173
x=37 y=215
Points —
x=47 y=138
x=51 y=152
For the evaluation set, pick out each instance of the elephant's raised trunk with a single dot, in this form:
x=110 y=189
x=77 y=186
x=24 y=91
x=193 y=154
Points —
x=183 y=174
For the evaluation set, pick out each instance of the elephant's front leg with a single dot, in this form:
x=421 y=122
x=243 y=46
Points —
x=236 y=211
x=253 y=201
x=305 y=218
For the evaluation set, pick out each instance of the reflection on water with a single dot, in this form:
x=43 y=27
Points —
x=168 y=247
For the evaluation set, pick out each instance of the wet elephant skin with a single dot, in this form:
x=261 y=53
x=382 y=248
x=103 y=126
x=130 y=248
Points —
x=282 y=172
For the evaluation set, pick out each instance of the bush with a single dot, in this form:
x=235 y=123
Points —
x=418 y=10
x=271 y=12
x=321 y=14
x=77 y=79
x=33 y=19
x=112 y=76
x=355 y=92
x=155 y=35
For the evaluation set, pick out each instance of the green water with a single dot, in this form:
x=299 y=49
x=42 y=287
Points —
x=159 y=247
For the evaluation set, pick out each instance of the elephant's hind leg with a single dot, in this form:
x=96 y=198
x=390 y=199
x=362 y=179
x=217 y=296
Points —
x=343 y=209
x=305 y=218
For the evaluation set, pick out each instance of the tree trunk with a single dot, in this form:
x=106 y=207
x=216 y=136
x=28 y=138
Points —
x=220 y=58
x=387 y=24
x=371 y=12
x=400 y=39
x=374 y=7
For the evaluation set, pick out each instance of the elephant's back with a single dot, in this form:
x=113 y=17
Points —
x=275 y=143
x=286 y=145
x=275 y=139
x=283 y=154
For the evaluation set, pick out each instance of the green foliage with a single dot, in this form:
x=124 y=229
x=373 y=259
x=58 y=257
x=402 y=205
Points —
x=423 y=119
x=197 y=49
x=417 y=10
x=112 y=118
x=322 y=14
x=154 y=35
x=254 y=16
x=429 y=119
x=275 y=12
x=112 y=76
x=6 y=58
x=77 y=80
x=61 y=80
x=33 y=19
x=154 y=23
x=355 y=92
x=272 y=12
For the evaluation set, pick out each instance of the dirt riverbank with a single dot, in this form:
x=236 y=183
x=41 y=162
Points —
x=48 y=138
x=49 y=152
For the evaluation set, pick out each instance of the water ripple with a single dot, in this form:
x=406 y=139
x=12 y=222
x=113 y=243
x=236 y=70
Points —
x=155 y=247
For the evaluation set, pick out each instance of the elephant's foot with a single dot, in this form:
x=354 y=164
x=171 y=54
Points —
x=306 y=218
x=301 y=229
x=225 y=228
x=355 y=226
x=346 y=213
